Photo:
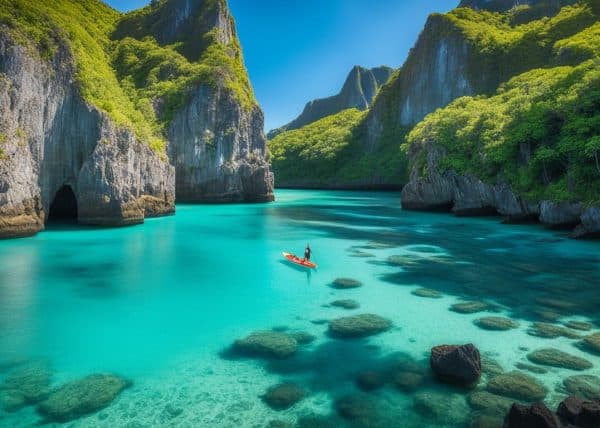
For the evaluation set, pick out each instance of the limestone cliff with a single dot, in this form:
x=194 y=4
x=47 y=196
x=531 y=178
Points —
x=53 y=138
x=358 y=92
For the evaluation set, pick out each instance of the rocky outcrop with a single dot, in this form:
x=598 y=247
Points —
x=53 y=138
x=571 y=412
x=218 y=149
x=459 y=365
x=505 y=5
x=358 y=91
x=467 y=195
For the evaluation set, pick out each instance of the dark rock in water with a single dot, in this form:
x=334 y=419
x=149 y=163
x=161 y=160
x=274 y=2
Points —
x=459 y=365
x=408 y=381
x=30 y=381
x=470 y=307
x=346 y=304
x=485 y=420
x=345 y=283
x=551 y=331
x=370 y=380
x=534 y=416
x=580 y=413
x=269 y=344
x=358 y=408
x=489 y=403
x=517 y=385
x=531 y=368
x=591 y=343
x=358 y=326
x=80 y=397
x=585 y=386
x=496 y=323
x=283 y=396
x=579 y=325
x=427 y=292
x=556 y=358
x=302 y=337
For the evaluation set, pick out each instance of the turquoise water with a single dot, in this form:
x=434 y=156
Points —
x=160 y=302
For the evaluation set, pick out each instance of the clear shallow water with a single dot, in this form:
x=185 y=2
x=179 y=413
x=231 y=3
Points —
x=158 y=303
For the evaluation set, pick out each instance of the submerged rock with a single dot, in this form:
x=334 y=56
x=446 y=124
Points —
x=580 y=413
x=536 y=415
x=517 y=385
x=447 y=407
x=556 y=358
x=81 y=397
x=496 y=323
x=591 y=343
x=345 y=283
x=30 y=382
x=490 y=366
x=302 y=337
x=531 y=368
x=459 y=365
x=358 y=408
x=370 y=380
x=585 y=386
x=408 y=381
x=283 y=396
x=551 y=331
x=358 y=326
x=470 y=307
x=11 y=400
x=345 y=304
x=428 y=293
x=579 y=325
x=489 y=403
x=267 y=344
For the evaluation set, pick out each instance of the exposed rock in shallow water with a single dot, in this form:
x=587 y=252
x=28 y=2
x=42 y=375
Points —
x=489 y=403
x=580 y=413
x=269 y=344
x=345 y=283
x=358 y=326
x=283 y=396
x=579 y=325
x=496 y=323
x=551 y=331
x=536 y=415
x=518 y=386
x=591 y=343
x=427 y=292
x=459 y=365
x=81 y=397
x=585 y=386
x=556 y=358
x=470 y=307
x=346 y=304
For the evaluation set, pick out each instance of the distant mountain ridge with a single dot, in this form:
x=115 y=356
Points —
x=358 y=91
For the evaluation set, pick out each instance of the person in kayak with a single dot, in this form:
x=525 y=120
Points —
x=307 y=252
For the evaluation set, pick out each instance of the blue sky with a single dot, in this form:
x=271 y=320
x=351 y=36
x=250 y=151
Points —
x=298 y=50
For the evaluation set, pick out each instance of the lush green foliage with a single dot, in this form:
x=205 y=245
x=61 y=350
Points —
x=125 y=76
x=539 y=133
x=330 y=152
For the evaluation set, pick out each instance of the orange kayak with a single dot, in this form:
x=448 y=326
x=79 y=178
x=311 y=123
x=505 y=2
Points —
x=298 y=261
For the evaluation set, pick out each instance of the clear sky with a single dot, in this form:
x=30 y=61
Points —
x=298 y=50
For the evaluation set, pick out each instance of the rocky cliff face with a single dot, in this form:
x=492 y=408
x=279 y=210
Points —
x=358 y=91
x=53 y=138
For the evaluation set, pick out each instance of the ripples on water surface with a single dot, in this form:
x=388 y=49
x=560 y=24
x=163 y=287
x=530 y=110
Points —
x=159 y=303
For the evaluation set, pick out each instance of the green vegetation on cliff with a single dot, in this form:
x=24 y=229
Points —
x=330 y=153
x=127 y=75
x=539 y=133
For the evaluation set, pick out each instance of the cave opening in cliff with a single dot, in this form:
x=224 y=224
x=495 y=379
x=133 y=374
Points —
x=64 y=206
